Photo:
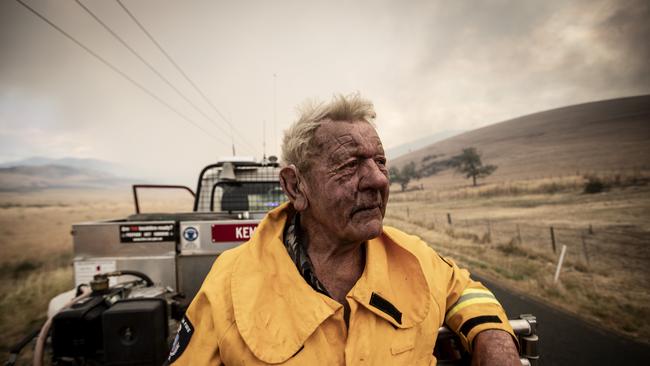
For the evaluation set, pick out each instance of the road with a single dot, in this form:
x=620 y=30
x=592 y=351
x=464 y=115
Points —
x=566 y=340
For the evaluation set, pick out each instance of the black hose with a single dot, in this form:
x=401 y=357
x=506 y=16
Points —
x=79 y=292
x=15 y=350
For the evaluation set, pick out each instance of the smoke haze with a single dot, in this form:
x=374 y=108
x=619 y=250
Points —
x=428 y=66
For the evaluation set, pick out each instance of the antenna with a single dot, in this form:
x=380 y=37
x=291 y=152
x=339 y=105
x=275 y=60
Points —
x=275 y=139
x=264 y=139
x=232 y=138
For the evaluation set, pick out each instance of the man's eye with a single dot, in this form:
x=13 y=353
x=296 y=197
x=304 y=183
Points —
x=381 y=161
x=350 y=164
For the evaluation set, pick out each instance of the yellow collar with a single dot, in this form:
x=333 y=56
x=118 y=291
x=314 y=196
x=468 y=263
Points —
x=276 y=310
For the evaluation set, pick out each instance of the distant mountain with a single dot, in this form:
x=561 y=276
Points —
x=397 y=151
x=43 y=173
x=609 y=135
x=93 y=164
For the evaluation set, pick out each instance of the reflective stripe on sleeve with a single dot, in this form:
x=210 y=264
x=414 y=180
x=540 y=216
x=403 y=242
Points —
x=471 y=297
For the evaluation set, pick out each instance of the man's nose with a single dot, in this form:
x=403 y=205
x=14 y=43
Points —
x=372 y=176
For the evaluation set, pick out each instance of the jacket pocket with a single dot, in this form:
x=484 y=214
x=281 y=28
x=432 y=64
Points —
x=404 y=340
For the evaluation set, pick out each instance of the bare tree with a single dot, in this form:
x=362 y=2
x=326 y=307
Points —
x=469 y=163
x=404 y=176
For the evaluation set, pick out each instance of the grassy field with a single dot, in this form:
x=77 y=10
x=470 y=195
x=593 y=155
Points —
x=36 y=261
x=502 y=231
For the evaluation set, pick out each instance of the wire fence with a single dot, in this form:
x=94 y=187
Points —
x=621 y=247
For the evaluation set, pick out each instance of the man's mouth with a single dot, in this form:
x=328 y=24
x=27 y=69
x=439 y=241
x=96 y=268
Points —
x=364 y=208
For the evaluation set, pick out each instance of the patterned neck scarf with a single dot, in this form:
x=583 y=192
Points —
x=298 y=253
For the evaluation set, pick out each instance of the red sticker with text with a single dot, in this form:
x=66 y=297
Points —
x=222 y=233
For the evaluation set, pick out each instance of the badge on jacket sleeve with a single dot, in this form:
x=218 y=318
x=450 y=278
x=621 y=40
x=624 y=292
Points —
x=185 y=330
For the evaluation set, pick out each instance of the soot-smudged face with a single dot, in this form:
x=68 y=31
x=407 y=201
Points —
x=347 y=183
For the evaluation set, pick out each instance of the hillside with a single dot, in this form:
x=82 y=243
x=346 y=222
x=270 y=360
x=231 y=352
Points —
x=403 y=149
x=79 y=163
x=610 y=135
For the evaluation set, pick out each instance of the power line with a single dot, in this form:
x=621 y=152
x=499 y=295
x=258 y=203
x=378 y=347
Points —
x=180 y=70
x=117 y=70
x=149 y=66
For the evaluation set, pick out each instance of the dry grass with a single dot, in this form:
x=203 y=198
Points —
x=502 y=231
x=33 y=290
x=458 y=189
x=37 y=247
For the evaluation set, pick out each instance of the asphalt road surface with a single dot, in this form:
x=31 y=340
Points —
x=566 y=340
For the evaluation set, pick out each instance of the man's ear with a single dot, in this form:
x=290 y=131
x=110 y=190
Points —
x=294 y=187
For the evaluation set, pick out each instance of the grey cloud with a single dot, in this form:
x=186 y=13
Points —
x=482 y=62
x=626 y=31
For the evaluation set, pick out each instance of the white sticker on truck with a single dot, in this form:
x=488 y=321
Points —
x=86 y=270
x=190 y=237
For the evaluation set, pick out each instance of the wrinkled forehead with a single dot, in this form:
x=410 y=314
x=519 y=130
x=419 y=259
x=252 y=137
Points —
x=342 y=137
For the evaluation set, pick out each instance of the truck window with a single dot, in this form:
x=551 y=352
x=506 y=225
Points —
x=247 y=196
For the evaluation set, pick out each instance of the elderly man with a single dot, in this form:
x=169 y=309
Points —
x=323 y=282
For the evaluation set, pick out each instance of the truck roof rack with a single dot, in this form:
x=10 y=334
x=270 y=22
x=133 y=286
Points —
x=240 y=161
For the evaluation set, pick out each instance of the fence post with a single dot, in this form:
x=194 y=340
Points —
x=584 y=249
x=408 y=214
x=559 y=264
x=553 y=239
x=591 y=230
x=489 y=227
x=518 y=234
x=448 y=218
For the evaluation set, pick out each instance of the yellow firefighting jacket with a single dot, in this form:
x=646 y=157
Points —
x=254 y=307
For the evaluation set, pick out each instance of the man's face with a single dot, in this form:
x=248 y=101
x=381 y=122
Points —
x=347 y=183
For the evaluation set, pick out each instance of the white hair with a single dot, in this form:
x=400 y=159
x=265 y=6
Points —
x=297 y=144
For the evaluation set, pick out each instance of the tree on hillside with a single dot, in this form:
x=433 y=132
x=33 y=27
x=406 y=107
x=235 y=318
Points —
x=404 y=176
x=469 y=163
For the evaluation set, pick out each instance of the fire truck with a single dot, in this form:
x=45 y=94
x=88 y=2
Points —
x=135 y=276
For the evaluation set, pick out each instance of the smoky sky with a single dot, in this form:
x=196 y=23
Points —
x=428 y=66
